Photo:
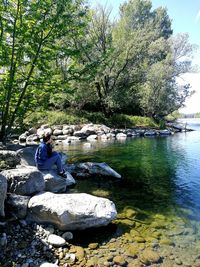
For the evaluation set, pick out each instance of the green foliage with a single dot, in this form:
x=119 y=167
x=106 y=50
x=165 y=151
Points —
x=74 y=117
x=3 y=165
x=58 y=55
x=131 y=65
x=33 y=38
x=53 y=118
x=94 y=117
x=173 y=116
x=127 y=121
x=64 y=118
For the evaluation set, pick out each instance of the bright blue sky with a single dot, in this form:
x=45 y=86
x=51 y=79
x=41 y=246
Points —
x=185 y=15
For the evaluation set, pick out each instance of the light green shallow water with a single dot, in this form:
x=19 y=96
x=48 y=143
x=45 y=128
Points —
x=158 y=199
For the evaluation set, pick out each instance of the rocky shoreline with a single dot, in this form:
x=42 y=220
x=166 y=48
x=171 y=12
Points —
x=34 y=245
x=35 y=197
x=91 y=132
x=31 y=244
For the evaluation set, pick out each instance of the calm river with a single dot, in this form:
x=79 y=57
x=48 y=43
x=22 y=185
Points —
x=158 y=201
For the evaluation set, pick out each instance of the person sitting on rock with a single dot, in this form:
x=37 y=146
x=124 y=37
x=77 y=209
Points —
x=45 y=158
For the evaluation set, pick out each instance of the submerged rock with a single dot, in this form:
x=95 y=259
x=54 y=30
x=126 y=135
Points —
x=148 y=256
x=71 y=211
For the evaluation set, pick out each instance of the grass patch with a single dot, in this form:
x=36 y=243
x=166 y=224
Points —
x=36 y=119
x=70 y=117
x=127 y=121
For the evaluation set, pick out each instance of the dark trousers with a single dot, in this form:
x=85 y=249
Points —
x=55 y=159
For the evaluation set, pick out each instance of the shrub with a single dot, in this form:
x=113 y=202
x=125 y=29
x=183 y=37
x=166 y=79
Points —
x=74 y=117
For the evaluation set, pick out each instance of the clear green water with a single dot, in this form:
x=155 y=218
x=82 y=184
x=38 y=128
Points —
x=159 y=195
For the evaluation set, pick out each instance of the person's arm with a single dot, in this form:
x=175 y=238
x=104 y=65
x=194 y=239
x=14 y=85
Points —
x=49 y=150
x=42 y=152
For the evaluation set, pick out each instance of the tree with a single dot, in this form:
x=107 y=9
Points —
x=146 y=32
x=91 y=70
x=130 y=65
x=162 y=94
x=31 y=39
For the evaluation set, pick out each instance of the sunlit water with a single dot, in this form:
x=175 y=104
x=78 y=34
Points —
x=161 y=183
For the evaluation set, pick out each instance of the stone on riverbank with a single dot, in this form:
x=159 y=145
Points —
x=56 y=240
x=18 y=205
x=71 y=211
x=150 y=133
x=3 y=192
x=55 y=183
x=165 y=132
x=87 y=169
x=24 y=181
x=47 y=264
x=27 y=155
x=9 y=158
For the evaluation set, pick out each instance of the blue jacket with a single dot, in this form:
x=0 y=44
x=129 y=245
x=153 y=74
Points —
x=43 y=152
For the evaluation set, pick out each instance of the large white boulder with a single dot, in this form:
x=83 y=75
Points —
x=24 y=181
x=3 y=192
x=71 y=211
x=93 y=129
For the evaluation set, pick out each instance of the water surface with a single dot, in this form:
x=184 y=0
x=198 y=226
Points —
x=160 y=186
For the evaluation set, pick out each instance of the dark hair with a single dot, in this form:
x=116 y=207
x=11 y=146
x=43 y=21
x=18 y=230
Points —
x=46 y=137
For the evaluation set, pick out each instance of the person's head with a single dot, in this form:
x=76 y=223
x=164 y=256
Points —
x=47 y=138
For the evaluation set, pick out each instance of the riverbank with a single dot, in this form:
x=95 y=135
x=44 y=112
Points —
x=66 y=133
x=148 y=231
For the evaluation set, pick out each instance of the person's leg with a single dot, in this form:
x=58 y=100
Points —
x=61 y=171
x=54 y=159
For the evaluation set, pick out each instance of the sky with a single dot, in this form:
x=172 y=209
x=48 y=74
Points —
x=185 y=16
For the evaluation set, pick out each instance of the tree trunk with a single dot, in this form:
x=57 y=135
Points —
x=100 y=96
x=9 y=86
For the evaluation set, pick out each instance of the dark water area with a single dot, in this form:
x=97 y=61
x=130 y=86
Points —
x=159 y=194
